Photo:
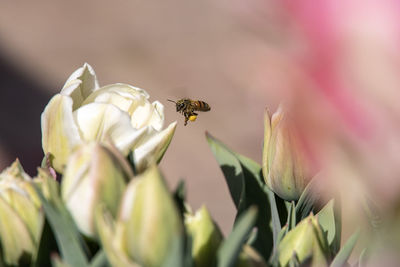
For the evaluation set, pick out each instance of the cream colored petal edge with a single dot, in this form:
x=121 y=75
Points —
x=267 y=137
x=83 y=196
x=30 y=215
x=14 y=235
x=157 y=118
x=59 y=132
x=77 y=166
x=123 y=89
x=73 y=90
x=88 y=77
x=154 y=148
x=105 y=122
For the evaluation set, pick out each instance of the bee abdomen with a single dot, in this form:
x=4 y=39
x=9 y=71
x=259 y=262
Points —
x=202 y=106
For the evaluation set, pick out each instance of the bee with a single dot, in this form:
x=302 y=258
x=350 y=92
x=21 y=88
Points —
x=188 y=107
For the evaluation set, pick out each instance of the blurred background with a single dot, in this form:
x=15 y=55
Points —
x=335 y=63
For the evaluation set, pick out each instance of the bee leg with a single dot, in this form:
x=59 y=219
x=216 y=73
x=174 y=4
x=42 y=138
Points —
x=186 y=119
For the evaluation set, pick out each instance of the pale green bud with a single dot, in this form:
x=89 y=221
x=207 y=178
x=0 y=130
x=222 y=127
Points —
x=305 y=241
x=95 y=174
x=249 y=257
x=148 y=229
x=21 y=217
x=285 y=169
x=206 y=237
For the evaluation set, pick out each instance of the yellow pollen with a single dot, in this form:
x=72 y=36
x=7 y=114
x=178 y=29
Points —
x=192 y=117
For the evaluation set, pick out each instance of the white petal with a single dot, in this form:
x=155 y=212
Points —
x=80 y=84
x=157 y=118
x=59 y=131
x=129 y=198
x=123 y=90
x=73 y=91
x=142 y=114
x=153 y=148
x=104 y=121
x=84 y=194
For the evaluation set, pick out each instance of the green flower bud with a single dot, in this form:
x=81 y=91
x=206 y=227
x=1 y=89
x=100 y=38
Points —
x=249 y=257
x=306 y=241
x=95 y=174
x=206 y=237
x=285 y=169
x=148 y=229
x=21 y=217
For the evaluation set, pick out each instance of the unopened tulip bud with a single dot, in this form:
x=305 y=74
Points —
x=206 y=237
x=305 y=241
x=285 y=168
x=148 y=229
x=249 y=257
x=21 y=217
x=95 y=174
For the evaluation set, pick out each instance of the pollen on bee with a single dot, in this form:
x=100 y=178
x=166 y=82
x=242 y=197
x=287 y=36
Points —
x=192 y=117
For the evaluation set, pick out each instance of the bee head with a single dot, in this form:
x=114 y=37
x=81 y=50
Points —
x=180 y=106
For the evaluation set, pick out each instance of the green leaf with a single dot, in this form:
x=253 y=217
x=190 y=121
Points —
x=291 y=220
x=247 y=188
x=187 y=254
x=43 y=164
x=70 y=242
x=277 y=205
x=294 y=261
x=363 y=260
x=275 y=221
x=47 y=245
x=99 y=260
x=229 y=251
x=274 y=260
x=282 y=233
x=330 y=220
x=57 y=262
x=176 y=254
x=307 y=200
x=345 y=252
x=231 y=168
x=180 y=198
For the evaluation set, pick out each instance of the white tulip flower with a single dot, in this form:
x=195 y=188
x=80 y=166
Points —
x=120 y=113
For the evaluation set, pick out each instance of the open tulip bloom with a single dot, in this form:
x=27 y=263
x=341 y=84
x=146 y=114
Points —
x=84 y=112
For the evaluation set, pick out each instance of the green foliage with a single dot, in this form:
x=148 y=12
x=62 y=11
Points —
x=308 y=199
x=247 y=188
x=70 y=242
x=345 y=252
x=329 y=219
x=229 y=250
x=266 y=228
x=258 y=223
